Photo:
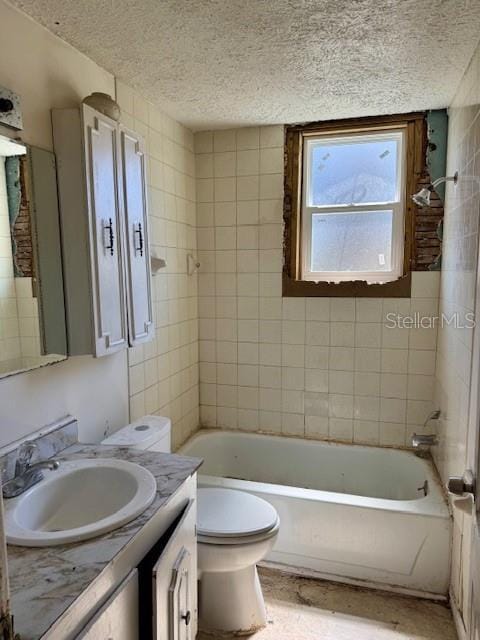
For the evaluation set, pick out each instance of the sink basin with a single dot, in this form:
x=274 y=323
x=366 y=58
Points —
x=80 y=500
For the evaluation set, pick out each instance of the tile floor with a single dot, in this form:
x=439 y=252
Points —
x=306 y=609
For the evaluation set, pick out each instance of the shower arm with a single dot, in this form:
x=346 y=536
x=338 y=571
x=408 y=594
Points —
x=438 y=181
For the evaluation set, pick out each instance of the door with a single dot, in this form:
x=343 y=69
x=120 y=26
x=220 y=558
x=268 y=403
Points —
x=472 y=617
x=134 y=204
x=472 y=614
x=175 y=583
x=105 y=232
x=469 y=484
x=118 y=618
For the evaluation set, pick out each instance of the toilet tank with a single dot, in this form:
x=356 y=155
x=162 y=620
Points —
x=149 y=432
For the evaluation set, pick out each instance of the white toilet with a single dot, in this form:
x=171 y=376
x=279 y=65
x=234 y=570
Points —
x=149 y=432
x=235 y=531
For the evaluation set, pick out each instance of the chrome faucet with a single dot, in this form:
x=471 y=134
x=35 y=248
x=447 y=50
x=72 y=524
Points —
x=423 y=440
x=26 y=473
x=422 y=443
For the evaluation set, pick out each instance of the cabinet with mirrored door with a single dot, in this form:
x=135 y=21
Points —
x=32 y=309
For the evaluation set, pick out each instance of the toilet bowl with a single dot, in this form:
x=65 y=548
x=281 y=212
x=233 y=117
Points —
x=235 y=531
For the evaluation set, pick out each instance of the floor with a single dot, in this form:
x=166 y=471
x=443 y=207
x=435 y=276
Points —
x=306 y=609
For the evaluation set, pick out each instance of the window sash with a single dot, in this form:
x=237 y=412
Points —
x=359 y=138
x=397 y=206
x=347 y=276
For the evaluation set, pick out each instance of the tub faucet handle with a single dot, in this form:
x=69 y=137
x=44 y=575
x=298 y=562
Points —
x=433 y=415
x=462 y=484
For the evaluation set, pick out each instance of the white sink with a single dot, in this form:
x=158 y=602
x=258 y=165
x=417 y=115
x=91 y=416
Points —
x=80 y=500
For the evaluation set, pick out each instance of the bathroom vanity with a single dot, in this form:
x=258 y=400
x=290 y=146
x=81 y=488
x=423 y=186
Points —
x=137 y=581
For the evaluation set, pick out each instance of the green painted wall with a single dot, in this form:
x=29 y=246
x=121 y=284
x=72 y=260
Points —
x=437 y=147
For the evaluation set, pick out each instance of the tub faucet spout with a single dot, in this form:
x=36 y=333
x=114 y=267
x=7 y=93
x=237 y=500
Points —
x=423 y=440
x=422 y=444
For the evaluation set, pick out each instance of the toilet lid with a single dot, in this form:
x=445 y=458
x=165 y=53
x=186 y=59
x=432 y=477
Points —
x=224 y=513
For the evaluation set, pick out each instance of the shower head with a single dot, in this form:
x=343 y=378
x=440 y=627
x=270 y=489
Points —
x=422 y=197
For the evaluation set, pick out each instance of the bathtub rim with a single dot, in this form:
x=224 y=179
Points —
x=434 y=505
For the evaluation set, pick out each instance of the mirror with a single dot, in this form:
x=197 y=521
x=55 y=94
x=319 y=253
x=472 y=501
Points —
x=32 y=310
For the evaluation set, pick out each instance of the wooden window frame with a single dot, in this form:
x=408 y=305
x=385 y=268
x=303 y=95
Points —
x=415 y=142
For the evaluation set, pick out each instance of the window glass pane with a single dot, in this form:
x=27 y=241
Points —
x=353 y=172
x=360 y=241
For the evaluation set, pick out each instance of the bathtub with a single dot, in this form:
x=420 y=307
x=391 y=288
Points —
x=363 y=515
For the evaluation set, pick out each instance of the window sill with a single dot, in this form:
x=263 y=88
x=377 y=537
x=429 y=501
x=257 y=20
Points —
x=400 y=288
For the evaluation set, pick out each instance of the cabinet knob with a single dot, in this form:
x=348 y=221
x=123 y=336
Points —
x=187 y=616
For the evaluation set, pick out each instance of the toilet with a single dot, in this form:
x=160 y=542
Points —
x=235 y=531
x=149 y=432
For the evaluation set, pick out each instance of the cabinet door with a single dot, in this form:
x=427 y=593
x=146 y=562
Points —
x=105 y=231
x=175 y=583
x=134 y=203
x=118 y=618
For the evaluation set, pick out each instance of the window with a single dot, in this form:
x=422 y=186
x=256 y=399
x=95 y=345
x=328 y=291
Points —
x=352 y=207
x=348 y=215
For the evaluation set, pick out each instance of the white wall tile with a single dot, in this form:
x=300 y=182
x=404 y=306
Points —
x=340 y=429
x=303 y=355
x=224 y=141
x=248 y=138
x=272 y=136
x=316 y=427
x=293 y=424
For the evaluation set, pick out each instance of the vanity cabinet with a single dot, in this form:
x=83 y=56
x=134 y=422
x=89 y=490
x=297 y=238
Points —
x=158 y=599
x=117 y=619
x=103 y=208
x=175 y=583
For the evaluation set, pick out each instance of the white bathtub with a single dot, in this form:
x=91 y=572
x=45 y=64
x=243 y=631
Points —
x=349 y=513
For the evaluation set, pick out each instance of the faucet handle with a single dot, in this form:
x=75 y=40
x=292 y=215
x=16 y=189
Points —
x=24 y=455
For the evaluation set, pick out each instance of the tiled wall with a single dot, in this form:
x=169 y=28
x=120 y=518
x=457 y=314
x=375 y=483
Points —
x=28 y=321
x=457 y=296
x=315 y=367
x=163 y=374
x=29 y=327
x=10 y=352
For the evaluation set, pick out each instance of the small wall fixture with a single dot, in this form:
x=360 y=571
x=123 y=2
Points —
x=10 y=112
x=156 y=264
x=193 y=265
x=422 y=197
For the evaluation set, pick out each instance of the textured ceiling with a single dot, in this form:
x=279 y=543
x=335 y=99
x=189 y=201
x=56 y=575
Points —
x=217 y=63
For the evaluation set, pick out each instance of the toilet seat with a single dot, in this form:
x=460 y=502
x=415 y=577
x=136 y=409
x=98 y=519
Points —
x=241 y=540
x=228 y=516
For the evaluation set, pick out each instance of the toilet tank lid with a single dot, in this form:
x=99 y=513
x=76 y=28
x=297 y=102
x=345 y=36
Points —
x=142 y=433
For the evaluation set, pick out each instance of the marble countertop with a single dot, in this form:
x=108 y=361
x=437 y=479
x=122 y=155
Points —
x=46 y=581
